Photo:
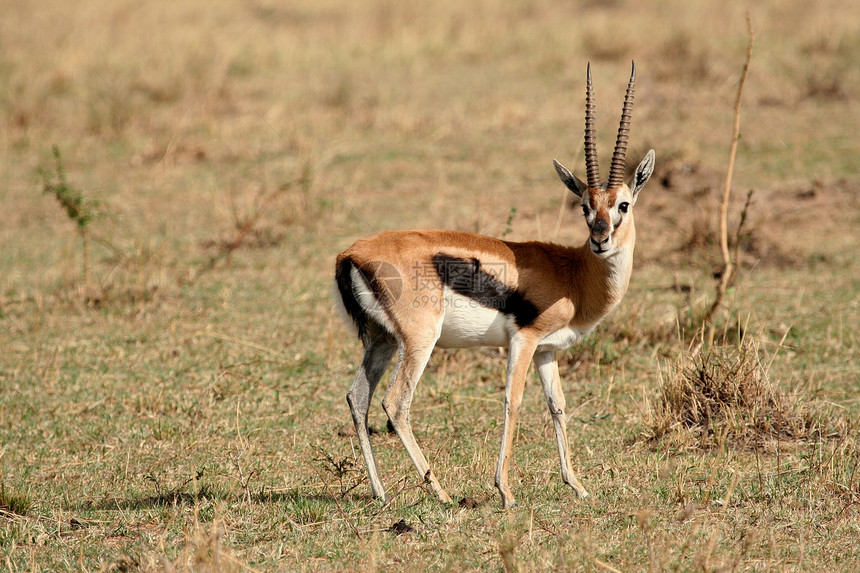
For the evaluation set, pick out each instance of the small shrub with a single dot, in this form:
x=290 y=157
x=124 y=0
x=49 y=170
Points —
x=81 y=211
x=728 y=395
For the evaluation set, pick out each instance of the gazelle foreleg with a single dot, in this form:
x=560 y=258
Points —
x=519 y=356
x=398 y=400
x=547 y=368
x=377 y=355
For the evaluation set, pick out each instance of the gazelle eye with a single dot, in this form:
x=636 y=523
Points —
x=623 y=207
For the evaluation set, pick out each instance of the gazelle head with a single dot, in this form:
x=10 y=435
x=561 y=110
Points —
x=608 y=206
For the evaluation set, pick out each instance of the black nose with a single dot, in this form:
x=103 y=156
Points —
x=600 y=227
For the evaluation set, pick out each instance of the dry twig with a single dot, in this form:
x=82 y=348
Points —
x=728 y=269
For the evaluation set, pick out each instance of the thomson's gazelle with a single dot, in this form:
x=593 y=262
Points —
x=410 y=291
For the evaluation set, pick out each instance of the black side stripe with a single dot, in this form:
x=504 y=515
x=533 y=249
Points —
x=467 y=278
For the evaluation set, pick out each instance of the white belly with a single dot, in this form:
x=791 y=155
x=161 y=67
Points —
x=562 y=338
x=467 y=323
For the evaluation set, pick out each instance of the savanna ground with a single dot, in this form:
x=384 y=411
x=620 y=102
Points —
x=180 y=404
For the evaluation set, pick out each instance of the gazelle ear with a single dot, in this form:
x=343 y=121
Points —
x=643 y=173
x=569 y=179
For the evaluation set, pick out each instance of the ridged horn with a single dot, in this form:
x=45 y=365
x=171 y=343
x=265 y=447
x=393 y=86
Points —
x=590 y=141
x=619 y=156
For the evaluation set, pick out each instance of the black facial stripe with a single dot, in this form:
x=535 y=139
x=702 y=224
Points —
x=467 y=278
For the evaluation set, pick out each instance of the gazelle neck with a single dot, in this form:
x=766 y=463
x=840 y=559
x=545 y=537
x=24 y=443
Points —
x=604 y=280
x=619 y=265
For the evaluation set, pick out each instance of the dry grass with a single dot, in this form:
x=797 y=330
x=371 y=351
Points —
x=726 y=396
x=185 y=409
x=203 y=553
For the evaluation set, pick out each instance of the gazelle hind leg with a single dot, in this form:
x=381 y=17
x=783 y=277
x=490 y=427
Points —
x=397 y=402
x=377 y=356
x=519 y=357
x=547 y=368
